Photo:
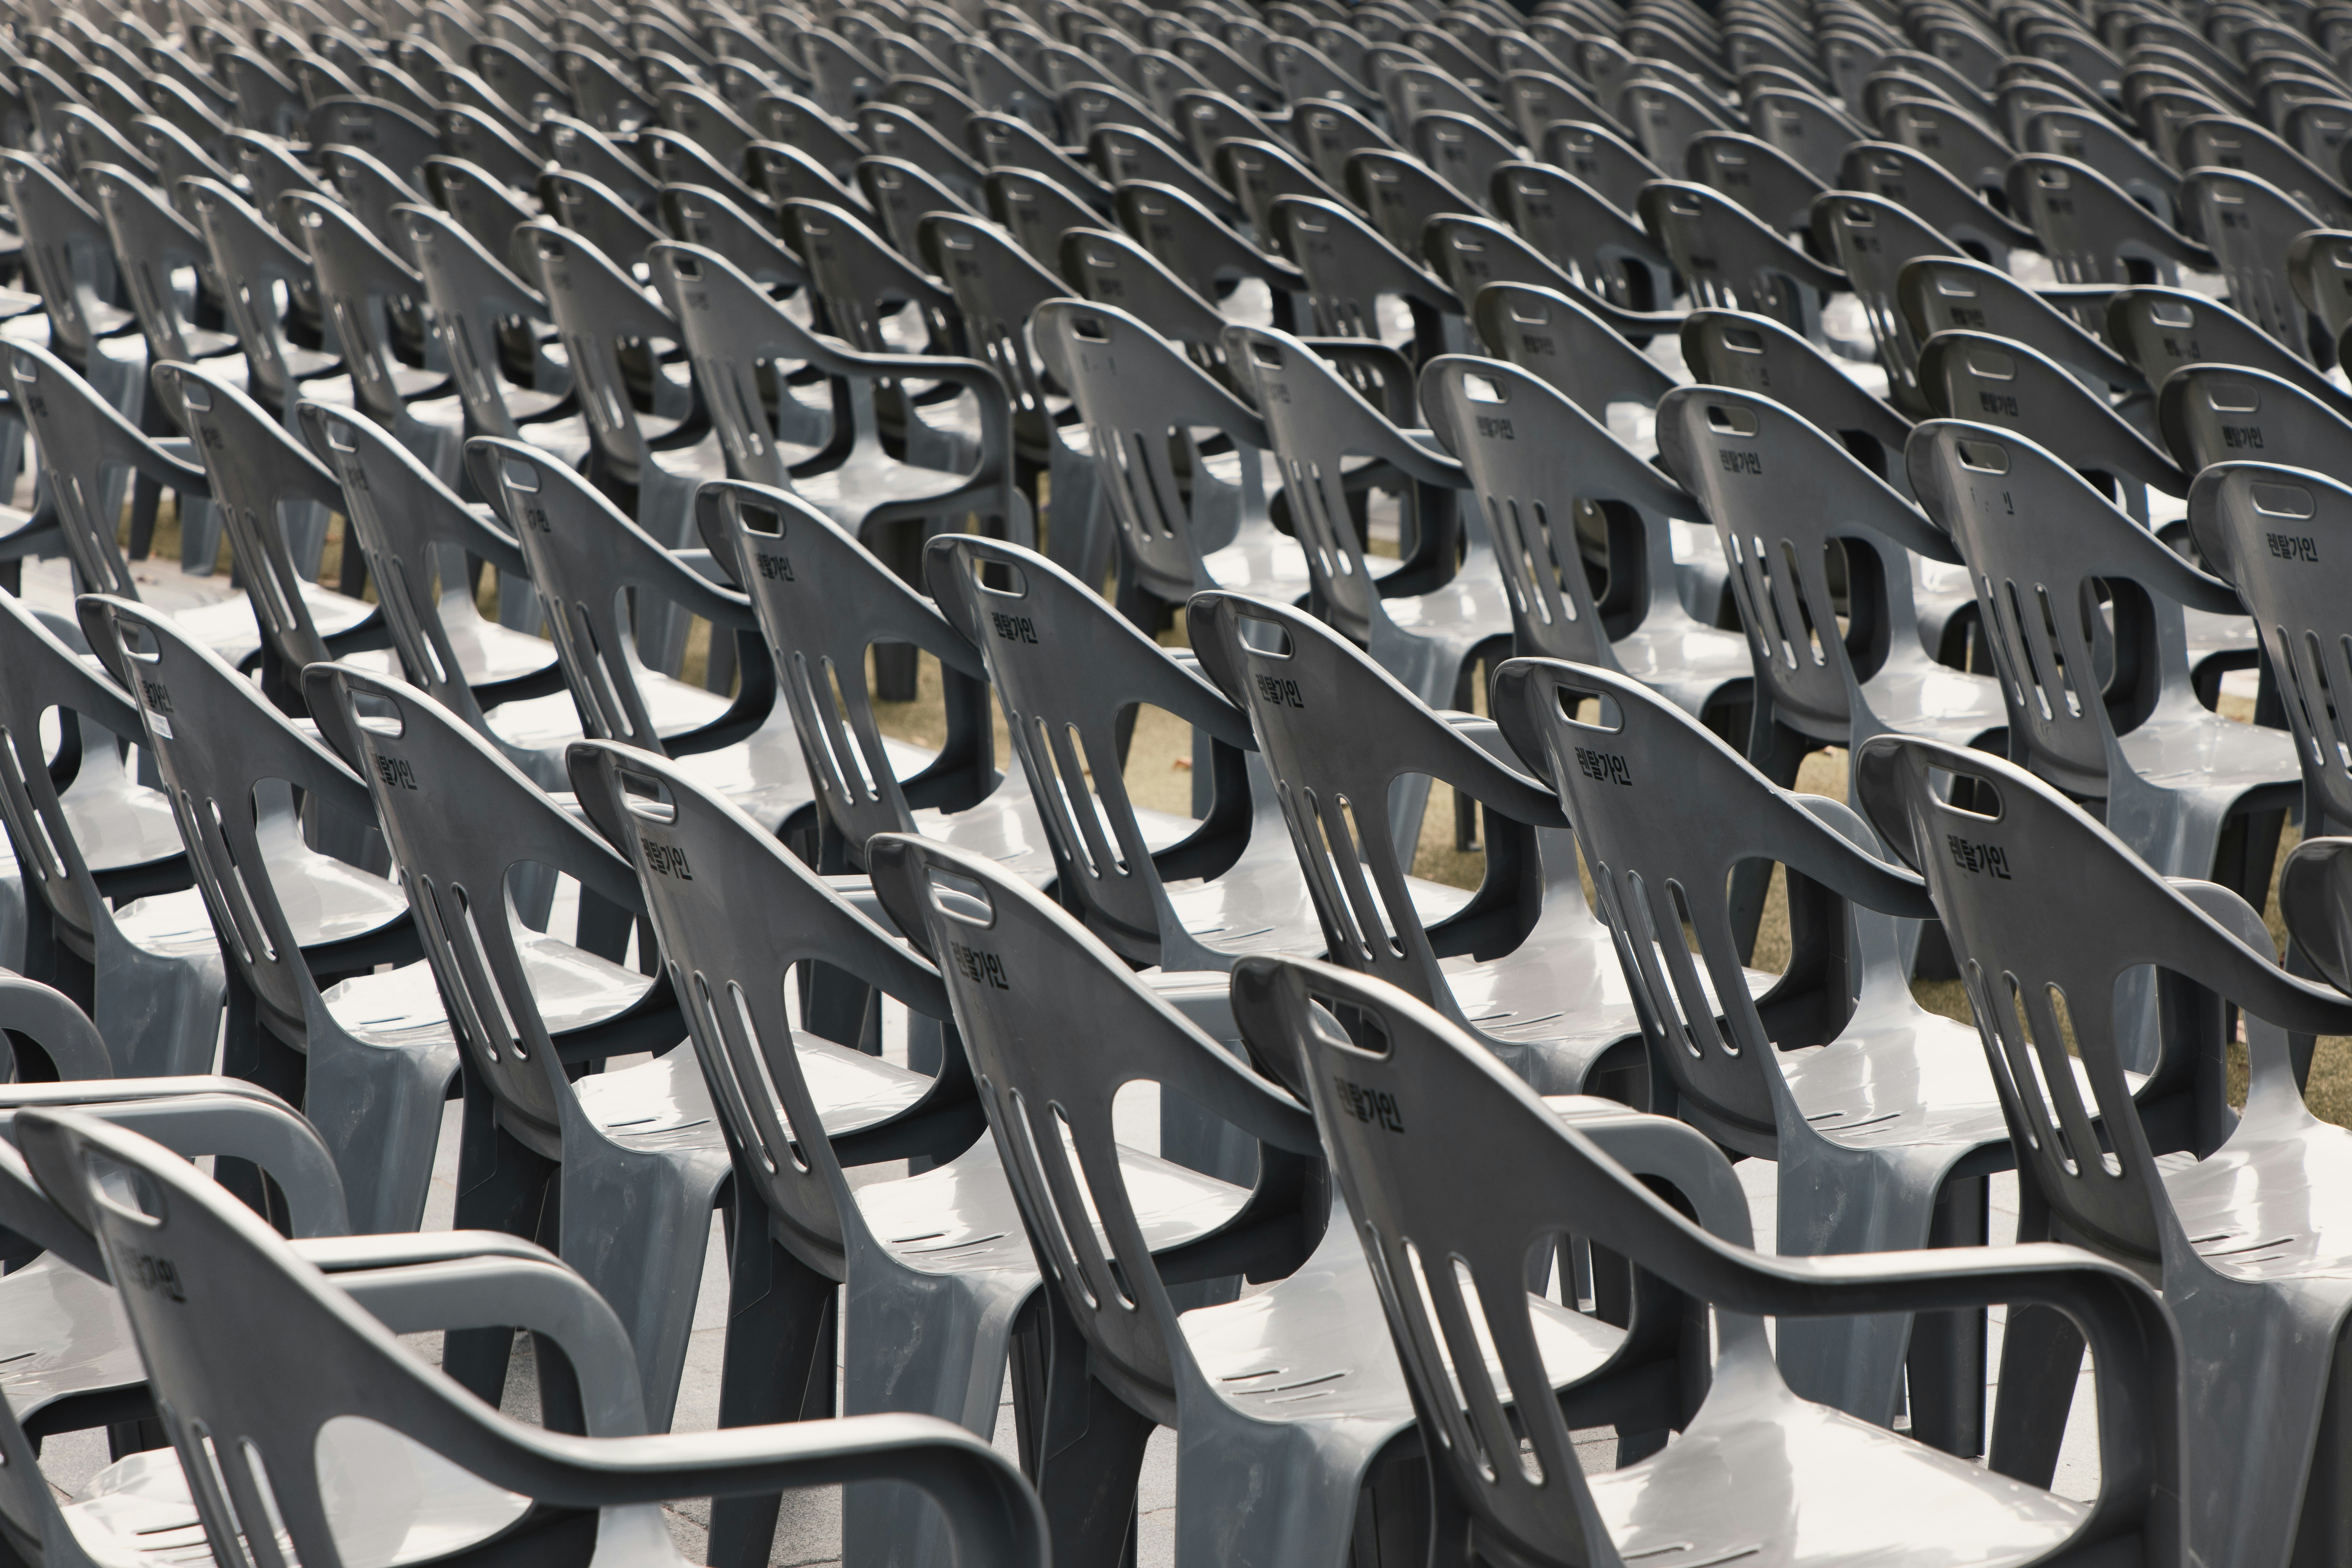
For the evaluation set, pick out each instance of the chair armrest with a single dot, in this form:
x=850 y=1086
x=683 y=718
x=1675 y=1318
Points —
x=990 y=1510
x=515 y=1293
x=244 y=1123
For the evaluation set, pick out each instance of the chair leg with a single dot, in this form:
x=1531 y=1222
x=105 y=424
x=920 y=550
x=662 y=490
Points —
x=1947 y=1360
x=254 y=1054
x=1092 y=1455
x=2041 y=1357
x=779 y=1350
x=502 y=1186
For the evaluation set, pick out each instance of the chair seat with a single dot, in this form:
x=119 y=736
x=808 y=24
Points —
x=1263 y=563
x=572 y=988
x=169 y=925
x=1553 y=1004
x=1315 y=1346
x=488 y=652
x=1262 y=905
x=851 y=493
x=227 y=627
x=1903 y=1080
x=1686 y=661
x=2214 y=637
x=1739 y=1483
x=2262 y=1207
x=1471 y=607
x=120 y=821
x=61 y=1334
x=566 y=438
x=1919 y=697
x=2195 y=750
x=1006 y=828
x=962 y=1217
x=390 y=1502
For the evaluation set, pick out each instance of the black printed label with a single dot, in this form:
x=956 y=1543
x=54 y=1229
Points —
x=1279 y=692
x=1607 y=767
x=666 y=860
x=1371 y=1105
x=1740 y=461
x=1014 y=628
x=1985 y=860
x=396 y=772
x=979 y=968
x=150 y=1272
x=775 y=568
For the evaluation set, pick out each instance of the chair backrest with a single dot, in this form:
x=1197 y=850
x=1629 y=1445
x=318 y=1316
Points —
x=253 y=261
x=151 y=242
x=457 y=866
x=230 y=763
x=1349 y=268
x=382 y=129
x=899 y=195
x=1140 y=398
x=232 y=1296
x=1399 y=192
x=596 y=306
x=997 y=287
x=2092 y=230
x=1199 y=247
x=1999 y=381
x=1872 y=239
x=469 y=298
x=1018 y=969
x=2268 y=529
x=700 y=863
x=1559 y=337
x=604 y=583
x=68 y=255
x=1316 y=421
x=1775 y=187
x=1758 y=355
x=861 y=278
x=1336 y=733
x=2161 y=330
x=1665 y=813
x=1927 y=191
x=46 y=675
x=257 y=468
x=2249 y=224
x=2091 y=138
x=1939 y=293
x=2047 y=911
x=2035 y=534
x=2212 y=413
x=598 y=214
x=483 y=205
x=700 y=215
x=1540 y=466
x=822 y=600
x=417 y=537
x=1037 y=211
x=2316 y=265
x=1728 y=257
x=87 y=448
x=1783 y=494
x=1585 y=231
x=2225 y=141
x=361 y=281
x=1066 y=667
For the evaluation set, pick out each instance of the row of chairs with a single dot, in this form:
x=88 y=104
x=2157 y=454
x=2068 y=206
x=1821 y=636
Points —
x=794 y=399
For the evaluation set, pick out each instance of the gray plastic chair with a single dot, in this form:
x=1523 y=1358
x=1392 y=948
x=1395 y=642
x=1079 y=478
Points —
x=1783 y=495
x=364 y=288
x=492 y=328
x=2088 y=137
x=2029 y=888
x=1941 y=293
x=2194 y=794
x=254 y=261
x=1188 y=518
x=937 y=1260
x=419 y=541
x=68 y=259
x=998 y=286
x=1260 y=1480
x=620 y=1171
x=1200 y=248
x=2213 y=413
x=2160 y=330
x=2263 y=527
x=1995 y=380
x=274 y=501
x=651 y=441
x=1872 y=237
x=1351 y=269
x=1926 y=1124
x=148 y=972
x=1543 y=470
x=1547 y=994
x=2249 y=224
x=825 y=605
x=1755 y=1459
x=1728 y=258
x=1185 y=896
x=2091 y=228
x=585 y=559
x=373 y=1085
x=1428 y=625
x=1602 y=246
x=190 y=1335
